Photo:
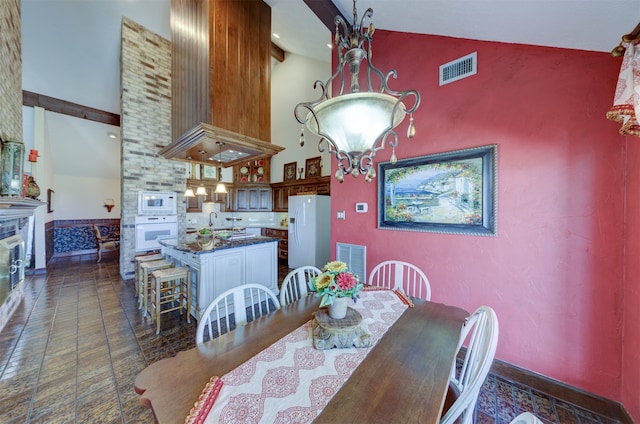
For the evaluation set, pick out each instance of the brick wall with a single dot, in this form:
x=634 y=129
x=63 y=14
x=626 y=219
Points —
x=10 y=70
x=146 y=128
x=10 y=107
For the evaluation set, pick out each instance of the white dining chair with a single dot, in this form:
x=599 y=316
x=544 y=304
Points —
x=295 y=284
x=480 y=334
x=526 y=418
x=401 y=275
x=234 y=308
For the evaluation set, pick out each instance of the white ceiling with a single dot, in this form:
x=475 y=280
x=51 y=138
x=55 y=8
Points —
x=71 y=47
x=595 y=25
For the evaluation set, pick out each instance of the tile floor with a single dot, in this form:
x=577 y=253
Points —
x=72 y=351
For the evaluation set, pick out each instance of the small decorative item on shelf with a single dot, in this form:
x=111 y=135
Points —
x=336 y=285
x=12 y=168
x=300 y=171
x=33 y=191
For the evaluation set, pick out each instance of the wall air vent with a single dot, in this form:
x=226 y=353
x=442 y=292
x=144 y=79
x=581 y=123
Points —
x=355 y=256
x=459 y=68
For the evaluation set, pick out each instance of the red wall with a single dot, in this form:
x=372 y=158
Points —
x=630 y=333
x=554 y=273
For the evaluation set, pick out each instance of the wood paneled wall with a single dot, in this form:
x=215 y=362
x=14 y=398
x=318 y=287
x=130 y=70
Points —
x=228 y=83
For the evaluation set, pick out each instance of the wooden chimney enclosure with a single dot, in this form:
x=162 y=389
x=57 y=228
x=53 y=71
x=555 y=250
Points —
x=221 y=66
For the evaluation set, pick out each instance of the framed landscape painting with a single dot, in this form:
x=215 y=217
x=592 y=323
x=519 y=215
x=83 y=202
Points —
x=452 y=192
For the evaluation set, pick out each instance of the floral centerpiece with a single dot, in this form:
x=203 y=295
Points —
x=336 y=281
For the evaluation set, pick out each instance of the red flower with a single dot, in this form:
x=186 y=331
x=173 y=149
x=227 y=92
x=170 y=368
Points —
x=346 y=281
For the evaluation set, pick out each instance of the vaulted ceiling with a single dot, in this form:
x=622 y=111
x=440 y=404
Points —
x=71 y=47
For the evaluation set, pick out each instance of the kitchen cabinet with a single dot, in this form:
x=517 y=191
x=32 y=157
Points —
x=283 y=244
x=282 y=191
x=281 y=198
x=212 y=272
x=255 y=171
x=252 y=198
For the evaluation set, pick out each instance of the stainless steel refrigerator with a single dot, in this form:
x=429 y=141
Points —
x=309 y=230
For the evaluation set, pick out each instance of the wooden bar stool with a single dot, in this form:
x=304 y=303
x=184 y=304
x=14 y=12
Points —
x=169 y=287
x=139 y=259
x=144 y=280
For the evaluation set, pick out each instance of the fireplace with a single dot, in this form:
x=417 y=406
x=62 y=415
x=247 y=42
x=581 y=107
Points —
x=16 y=233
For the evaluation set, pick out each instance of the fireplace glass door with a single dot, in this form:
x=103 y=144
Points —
x=11 y=264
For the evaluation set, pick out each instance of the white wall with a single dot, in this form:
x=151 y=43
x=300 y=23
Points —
x=83 y=198
x=56 y=33
x=292 y=83
x=79 y=162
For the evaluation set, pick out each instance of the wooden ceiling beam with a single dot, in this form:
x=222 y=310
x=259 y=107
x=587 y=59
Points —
x=326 y=11
x=67 y=108
x=277 y=53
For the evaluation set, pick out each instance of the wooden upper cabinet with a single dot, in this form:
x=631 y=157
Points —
x=253 y=198
x=282 y=191
x=253 y=172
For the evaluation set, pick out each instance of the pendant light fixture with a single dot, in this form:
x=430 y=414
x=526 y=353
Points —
x=189 y=191
x=220 y=187
x=201 y=190
x=356 y=124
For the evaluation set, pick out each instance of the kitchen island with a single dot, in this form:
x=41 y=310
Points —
x=218 y=265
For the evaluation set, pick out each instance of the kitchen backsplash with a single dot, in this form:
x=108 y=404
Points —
x=246 y=219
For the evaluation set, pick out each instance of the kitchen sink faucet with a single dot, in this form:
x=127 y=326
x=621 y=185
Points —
x=215 y=215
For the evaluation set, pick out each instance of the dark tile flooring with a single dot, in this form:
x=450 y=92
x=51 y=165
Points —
x=72 y=350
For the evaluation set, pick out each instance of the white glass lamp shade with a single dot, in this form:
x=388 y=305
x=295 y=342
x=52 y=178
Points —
x=221 y=188
x=355 y=121
x=189 y=193
x=201 y=191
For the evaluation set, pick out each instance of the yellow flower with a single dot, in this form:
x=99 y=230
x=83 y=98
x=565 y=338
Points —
x=322 y=281
x=335 y=266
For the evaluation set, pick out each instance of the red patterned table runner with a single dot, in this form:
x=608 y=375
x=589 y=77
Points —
x=291 y=381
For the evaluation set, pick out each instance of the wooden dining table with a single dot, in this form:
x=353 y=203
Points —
x=404 y=378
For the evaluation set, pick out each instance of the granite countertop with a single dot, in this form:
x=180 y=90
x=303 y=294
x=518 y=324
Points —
x=194 y=244
x=273 y=226
x=252 y=225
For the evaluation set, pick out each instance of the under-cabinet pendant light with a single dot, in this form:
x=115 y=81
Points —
x=189 y=191
x=201 y=190
x=220 y=187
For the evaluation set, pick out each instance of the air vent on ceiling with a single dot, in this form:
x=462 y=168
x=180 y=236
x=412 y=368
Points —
x=459 y=68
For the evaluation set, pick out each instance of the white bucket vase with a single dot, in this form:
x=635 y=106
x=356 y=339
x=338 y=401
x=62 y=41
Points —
x=338 y=309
